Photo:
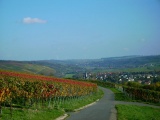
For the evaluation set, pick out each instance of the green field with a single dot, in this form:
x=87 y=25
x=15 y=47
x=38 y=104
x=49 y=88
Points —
x=133 y=112
x=68 y=76
x=31 y=114
x=136 y=69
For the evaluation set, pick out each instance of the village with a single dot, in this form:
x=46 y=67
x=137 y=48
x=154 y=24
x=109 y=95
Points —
x=145 y=78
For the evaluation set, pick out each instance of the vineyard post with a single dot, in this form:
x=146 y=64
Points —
x=11 y=110
x=49 y=104
x=0 y=109
x=158 y=98
x=146 y=94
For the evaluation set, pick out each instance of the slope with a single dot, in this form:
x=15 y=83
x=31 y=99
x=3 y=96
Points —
x=26 y=67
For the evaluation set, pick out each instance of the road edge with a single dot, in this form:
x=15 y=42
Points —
x=113 y=114
x=62 y=117
x=66 y=115
x=85 y=106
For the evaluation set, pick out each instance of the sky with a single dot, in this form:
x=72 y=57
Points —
x=78 y=29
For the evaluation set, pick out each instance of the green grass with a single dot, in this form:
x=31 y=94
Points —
x=133 y=112
x=119 y=96
x=49 y=114
x=68 y=76
x=72 y=105
x=31 y=114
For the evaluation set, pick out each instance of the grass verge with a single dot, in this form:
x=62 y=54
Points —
x=72 y=105
x=119 y=96
x=133 y=112
x=30 y=114
x=49 y=114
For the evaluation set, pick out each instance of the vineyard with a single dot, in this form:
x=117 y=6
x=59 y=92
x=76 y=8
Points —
x=20 y=90
x=134 y=91
x=142 y=94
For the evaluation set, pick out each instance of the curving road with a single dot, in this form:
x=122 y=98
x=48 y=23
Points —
x=102 y=110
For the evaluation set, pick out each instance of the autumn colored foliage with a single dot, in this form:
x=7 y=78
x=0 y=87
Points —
x=147 y=93
x=29 y=89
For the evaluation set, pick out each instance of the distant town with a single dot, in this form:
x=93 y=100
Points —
x=142 y=77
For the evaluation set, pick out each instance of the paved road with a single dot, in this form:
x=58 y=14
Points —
x=102 y=110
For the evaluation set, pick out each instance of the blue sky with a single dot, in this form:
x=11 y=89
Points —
x=78 y=29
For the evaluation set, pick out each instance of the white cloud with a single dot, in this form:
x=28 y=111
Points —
x=29 y=20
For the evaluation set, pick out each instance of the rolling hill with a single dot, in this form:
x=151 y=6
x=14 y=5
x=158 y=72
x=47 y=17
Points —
x=62 y=68
x=26 y=67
